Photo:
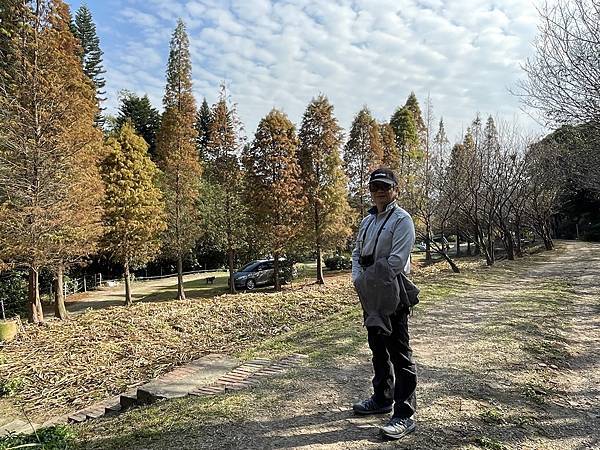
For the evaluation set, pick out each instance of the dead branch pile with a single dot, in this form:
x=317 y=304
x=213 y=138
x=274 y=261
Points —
x=64 y=366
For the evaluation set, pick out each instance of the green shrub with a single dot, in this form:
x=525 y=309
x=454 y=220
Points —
x=13 y=291
x=58 y=437
x=338 y=262
x=10 y=387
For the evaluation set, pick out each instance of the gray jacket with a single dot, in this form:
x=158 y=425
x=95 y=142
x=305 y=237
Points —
x=395 y=241
x=378 y=285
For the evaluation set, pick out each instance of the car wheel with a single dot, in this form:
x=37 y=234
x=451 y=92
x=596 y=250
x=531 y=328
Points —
x=250 y=285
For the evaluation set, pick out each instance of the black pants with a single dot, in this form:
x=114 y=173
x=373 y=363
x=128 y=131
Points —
x=392 y=356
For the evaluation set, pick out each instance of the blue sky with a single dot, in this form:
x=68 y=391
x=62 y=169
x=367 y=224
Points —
x=464 y=54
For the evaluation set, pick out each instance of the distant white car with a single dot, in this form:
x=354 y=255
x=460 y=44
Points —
x=420 y=246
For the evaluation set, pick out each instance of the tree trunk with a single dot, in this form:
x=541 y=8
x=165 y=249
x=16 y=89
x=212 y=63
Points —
x=180 y=291
x=509 y=243
x=453 y=266
x=547 y=238
x=457 y=242
x=445 y=246
x=230 y=250
x=276 y=272
x=320 y=279
x=36 y=314
x=230 y=254
x=483 y=245
x=128 y=301
x=510 y=247
x=518 y=234
x=468 y=247
x=428 y=244
x=59 y=299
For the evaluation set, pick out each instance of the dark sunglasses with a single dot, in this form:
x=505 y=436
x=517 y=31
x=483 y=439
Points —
x=374 y=187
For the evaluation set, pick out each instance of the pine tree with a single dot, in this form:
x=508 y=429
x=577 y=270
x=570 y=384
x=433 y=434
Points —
x=91 y=54
x=49 y=182
x=441 y=141
x=178 y=158
x=362 y=155
x=324 y=179
x=143 y=117
x=203 y=121
x=133 y=207
x=273 y=186
x=391 y=154
x=407 y=139
x=412 y=104
x=224 y=174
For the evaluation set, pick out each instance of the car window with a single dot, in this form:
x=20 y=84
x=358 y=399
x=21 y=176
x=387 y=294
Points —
x=250 y=267
x=268 y=265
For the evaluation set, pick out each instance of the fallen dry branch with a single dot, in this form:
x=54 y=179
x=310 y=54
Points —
x=67 y=365
x=64 y=366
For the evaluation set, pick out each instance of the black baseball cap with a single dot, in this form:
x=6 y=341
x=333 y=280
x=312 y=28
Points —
x=383 y=175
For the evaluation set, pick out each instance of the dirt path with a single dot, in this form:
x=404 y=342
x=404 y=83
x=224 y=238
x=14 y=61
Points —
x=511 y=363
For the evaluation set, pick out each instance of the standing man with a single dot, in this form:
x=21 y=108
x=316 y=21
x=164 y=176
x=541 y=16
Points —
x=388 y=232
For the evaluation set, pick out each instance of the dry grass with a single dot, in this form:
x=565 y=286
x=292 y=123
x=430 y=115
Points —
x=64 y=366
x=67 y=365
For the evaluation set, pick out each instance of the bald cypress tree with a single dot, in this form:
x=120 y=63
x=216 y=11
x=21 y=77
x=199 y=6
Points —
x=133 y=207
x=224 y=174
x=412 y=104
x=273 y=184
x=49 y=182
x=177 y=154
x=391 y=154
x=363 y=154
x=407 y=139
x=91 y=55
x=325 y=182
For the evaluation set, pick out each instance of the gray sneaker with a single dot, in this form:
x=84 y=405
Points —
x=398 y=427
x=370 y=406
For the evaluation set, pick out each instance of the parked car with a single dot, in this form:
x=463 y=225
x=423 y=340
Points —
x=420 y=247
x=261 y=272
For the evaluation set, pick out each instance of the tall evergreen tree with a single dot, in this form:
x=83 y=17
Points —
x=324 y=179
x=178 y=158
x=391 y=154
x=273 y=184
x=48 y=144
x=203 y=122
x=143 y=117
x=362 y=155
x=412 y=104
x=441 y=141
x=133 y=208
x=407 y=139
x=224 y=174
x=91 y=54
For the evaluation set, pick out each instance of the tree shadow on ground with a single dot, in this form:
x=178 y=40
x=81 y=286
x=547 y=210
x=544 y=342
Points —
x=523 y=419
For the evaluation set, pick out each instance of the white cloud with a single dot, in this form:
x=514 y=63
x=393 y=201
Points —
x=282 y=53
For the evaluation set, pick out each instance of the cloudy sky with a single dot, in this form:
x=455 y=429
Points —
x=465 y=54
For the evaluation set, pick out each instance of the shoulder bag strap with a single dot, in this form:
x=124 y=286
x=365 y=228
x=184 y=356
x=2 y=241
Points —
x=380 y=230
